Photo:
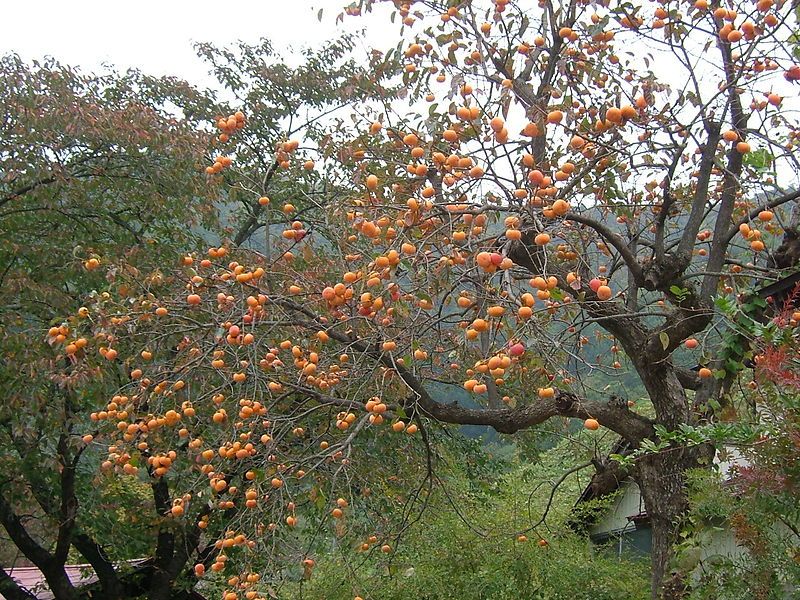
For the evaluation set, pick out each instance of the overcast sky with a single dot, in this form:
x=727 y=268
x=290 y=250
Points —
x=156 y=36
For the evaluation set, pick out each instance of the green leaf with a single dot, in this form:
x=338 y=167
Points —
x=621 y=459
x=679 y=292
x=759 y=159
x=724 y=304
x=320 y=501
x=664 y=339
x=524 y=25
x=733 y=366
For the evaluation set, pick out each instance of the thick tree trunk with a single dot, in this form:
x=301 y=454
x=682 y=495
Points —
x=51 y=567
x=138 y=584
x=111 y=586
x=662 y=480
x=58 y=582
x=666 y=393
x=661 y=476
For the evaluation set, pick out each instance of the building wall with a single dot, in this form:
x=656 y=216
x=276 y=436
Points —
x=615 y=526
x=722 y=543
x=628 y=503
x=727 y=458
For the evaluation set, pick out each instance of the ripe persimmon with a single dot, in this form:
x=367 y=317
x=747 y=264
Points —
x=604 y=292
x=555 y=116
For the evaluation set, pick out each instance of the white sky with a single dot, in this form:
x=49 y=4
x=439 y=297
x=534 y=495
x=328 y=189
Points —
x=156 y=36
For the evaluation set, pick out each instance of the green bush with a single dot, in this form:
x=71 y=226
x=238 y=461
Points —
x=465 y=547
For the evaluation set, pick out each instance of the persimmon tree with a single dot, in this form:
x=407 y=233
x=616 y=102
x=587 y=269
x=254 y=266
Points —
x=609 y=169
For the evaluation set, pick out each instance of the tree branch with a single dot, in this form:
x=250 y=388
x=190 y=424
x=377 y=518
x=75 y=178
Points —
x=688 y=378
x=631 y=426
x=774 y=203
x=249 y=226
x=69 y=503
x=614 y=239
x=165 y=541
x=666 y=205
x=634 y=428
x=103 y=567
x=730 y=180
x=680 y=324
x=21 y=191
x=11 y=522
x=52 y=570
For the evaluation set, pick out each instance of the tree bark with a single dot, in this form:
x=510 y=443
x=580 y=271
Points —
x=110 y=584
x=52 y=569
x=662 y=480
x=666 y=393
x=161 y=582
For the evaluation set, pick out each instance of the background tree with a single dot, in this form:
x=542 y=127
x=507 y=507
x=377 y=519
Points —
x=635 y=195
x=92 y=166
x=102 y=170
x=312 y=102
x=461 y=547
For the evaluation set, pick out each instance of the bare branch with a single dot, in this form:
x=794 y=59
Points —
x=612 y=238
